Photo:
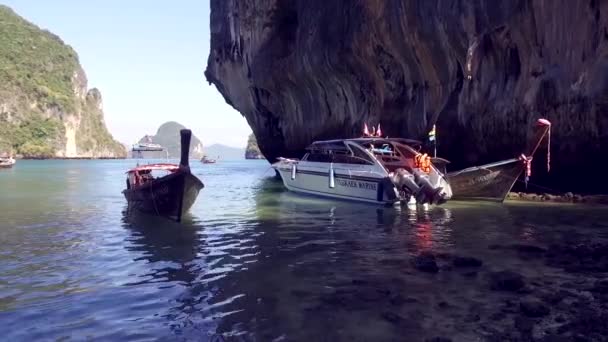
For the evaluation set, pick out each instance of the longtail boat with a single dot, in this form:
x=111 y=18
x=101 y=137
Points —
x=170 y=194
x=492 y=182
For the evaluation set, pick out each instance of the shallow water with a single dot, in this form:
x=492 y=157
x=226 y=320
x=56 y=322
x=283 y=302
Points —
x=252 y=261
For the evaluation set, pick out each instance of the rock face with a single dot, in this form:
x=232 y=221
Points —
x=253 y=151
x=46 y=108
x=482 y=71
x=168 y=137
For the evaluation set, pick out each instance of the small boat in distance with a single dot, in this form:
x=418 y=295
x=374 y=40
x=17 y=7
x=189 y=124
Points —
x=206 y=160
x=492 y=182
x=170 y=194
x=370 y=169
x=146 y=147
x=7 y=162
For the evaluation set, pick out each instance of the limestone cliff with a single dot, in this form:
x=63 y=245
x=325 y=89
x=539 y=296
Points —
x=252 y=151
x=483 y=71
x=46 y=108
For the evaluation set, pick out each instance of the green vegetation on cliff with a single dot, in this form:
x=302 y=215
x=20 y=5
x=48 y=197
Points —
x=31 y=138
x=35 y=62
x=43 y=92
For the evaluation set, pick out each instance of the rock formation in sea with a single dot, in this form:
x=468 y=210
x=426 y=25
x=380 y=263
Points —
x=252 y=151
x=483 y=71
x=168 y=137
x=46 y=107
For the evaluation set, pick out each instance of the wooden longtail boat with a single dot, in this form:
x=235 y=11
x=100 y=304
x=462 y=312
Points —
x=171 y=194
x=493 y=181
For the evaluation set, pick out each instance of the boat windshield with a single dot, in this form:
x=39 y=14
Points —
x=337 y=152
x=391 y=155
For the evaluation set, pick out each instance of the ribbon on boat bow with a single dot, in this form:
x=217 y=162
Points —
x=528 y=163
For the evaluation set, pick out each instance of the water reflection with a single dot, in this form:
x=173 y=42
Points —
x=170 y=245
x=309 y=246
x=252 y=261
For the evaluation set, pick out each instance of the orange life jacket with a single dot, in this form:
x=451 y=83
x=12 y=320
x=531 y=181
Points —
x=423 y=162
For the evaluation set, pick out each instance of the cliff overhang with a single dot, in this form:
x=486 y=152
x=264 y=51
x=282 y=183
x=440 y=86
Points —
x=482 y=72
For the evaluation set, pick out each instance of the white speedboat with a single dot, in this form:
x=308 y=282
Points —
x=6 y=163
x=369 y=169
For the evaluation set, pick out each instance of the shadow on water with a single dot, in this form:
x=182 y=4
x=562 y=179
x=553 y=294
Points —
x=191 y=263
x=174 y=254
x=161 y=240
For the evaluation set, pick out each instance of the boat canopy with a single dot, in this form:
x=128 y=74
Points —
x=339 y=143
x=152 y=167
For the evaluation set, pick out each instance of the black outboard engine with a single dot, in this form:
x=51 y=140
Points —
x=418 y=185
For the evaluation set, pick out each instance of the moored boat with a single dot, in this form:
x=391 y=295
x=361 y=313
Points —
x=206 y=160
x=7 y=162
x=369 y=169
x=170 y=194
x=492 y=182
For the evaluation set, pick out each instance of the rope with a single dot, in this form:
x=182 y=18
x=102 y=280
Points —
x=533 y=184
x=543 y=187
x=549 y=150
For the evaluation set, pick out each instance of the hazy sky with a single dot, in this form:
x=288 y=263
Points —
x=147 y=57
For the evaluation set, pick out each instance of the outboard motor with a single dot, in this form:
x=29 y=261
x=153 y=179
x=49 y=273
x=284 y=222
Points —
x=405 y=181
x=418 y=185
x=430 y=194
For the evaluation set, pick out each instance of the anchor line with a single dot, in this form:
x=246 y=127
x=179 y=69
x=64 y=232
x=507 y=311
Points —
x=533 y=184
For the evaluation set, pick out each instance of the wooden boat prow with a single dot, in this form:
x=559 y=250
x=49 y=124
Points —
x=492 y=182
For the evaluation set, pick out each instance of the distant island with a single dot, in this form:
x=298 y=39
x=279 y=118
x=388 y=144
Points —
x=168 y=137
x=253 y=151
x=46 y=108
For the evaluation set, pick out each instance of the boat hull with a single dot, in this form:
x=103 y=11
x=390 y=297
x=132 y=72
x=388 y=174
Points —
x=491 y=182
x=344 y=186
x=7 y=164
x=172 y=195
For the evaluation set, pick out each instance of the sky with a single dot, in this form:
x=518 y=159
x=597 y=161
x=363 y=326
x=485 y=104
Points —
x=147 y=57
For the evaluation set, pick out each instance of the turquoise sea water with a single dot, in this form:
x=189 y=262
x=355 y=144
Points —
x=250 y=262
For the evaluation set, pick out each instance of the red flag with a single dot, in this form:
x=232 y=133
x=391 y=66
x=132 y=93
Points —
x=365 y=130
x=379 y=132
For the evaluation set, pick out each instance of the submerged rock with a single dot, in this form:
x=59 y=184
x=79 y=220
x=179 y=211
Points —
x=534 y=308
x=579 y=257
x=459 y=261
x=438 y=339
x=425 y=262
x=506 y=281
x=391 y=317
x=600 y=286
x=530 y=249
